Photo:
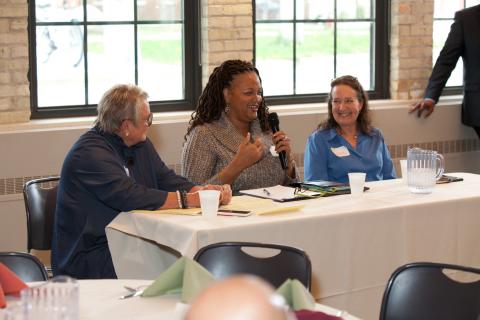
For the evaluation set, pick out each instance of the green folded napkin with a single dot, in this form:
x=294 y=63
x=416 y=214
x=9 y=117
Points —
x=185 y=277
x=296 y=295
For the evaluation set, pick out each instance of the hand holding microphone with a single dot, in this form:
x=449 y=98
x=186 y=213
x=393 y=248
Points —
x=282 y=143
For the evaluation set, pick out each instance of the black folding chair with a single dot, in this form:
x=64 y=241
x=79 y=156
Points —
x=228 y=258
x=27 y=267
x=420 y=291
x=40 y=196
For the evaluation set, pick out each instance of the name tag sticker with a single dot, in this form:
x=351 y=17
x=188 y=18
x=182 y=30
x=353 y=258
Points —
x=340 y=151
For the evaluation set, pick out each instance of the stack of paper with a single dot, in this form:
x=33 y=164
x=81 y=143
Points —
x=244 y=203
x=261 y=206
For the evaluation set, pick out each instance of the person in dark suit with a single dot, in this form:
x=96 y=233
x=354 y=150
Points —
x=463 y=41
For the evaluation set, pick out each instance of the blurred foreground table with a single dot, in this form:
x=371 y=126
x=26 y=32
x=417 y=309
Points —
x=354 y=243
x=99 y=299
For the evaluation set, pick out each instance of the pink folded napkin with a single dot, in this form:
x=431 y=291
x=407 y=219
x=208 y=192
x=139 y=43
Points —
x=10 y=283
x=314 y=315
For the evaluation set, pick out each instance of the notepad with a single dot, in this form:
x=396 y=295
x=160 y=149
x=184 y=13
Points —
x=280 y=193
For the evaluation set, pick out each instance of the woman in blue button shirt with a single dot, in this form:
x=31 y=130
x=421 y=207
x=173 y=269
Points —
x=346 y=141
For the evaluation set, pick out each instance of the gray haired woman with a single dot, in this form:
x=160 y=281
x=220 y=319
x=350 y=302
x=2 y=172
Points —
x=113 y=167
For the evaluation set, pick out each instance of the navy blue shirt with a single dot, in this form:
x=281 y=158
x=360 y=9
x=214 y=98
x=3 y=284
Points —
x=100 y=178
x=328 y=156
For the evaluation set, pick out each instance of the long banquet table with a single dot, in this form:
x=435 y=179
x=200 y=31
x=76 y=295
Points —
x=354 y=243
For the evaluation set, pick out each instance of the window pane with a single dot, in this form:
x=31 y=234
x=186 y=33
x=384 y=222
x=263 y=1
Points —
x=314 y=9
x=314 y=57
x=447 y=8
x=58 y=11
x=110 y=58
x=60 y=66
x=274 y=9
x=274 y=57
x=471 y=3
x=440 y=33
x=357 y=9
x=110 y=10
x=160 y=63
x=159 y=10
x=354 y=41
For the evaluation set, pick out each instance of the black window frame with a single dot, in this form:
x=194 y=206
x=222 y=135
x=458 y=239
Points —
x=191 y=54
x=381 y=52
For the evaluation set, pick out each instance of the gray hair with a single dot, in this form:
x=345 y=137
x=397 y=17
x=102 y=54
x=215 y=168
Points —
x=119 y=103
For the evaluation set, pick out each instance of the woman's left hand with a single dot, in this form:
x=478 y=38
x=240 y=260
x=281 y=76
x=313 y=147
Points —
x=282 y=143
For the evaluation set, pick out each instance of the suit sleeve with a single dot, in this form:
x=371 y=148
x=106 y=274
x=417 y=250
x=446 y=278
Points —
x=447 y=60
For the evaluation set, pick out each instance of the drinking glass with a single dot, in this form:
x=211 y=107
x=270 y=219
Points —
x=57 y=299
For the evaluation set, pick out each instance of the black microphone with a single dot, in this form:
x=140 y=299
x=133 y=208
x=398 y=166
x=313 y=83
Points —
x=275 y=126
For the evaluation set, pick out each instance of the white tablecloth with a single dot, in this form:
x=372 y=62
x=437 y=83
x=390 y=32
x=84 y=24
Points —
x=99 y=299
x=354 y=244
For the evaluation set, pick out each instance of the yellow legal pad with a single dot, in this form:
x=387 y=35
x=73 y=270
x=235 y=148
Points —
x=257 y=205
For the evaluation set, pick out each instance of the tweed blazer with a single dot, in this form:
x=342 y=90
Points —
x=212 y=146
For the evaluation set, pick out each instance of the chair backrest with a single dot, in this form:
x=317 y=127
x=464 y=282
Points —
x=423 y=291
x=27 y=267
x=40 y=196
x=227 y=258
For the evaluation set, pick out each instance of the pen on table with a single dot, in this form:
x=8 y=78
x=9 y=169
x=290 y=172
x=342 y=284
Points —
x=267 y=192
x=233 y=211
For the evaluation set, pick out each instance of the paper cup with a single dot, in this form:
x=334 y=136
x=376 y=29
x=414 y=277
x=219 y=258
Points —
x=357 y=180
x=209 y=200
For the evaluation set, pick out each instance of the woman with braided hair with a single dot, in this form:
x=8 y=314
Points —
x=346 y=141
x=228 y=140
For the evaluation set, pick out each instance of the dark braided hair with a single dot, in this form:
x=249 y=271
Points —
x=212 y=103
x=364 y=120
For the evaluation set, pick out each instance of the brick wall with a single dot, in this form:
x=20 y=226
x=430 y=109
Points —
x=14 y=86
x=227 y=32
x=411 y=47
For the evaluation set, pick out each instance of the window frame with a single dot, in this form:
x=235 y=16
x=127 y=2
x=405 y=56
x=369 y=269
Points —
x=381 y=52
x=191 y=54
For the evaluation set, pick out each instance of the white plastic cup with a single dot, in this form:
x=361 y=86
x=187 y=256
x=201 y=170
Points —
x=403 y=167
x=357 y=181
x=209 y=200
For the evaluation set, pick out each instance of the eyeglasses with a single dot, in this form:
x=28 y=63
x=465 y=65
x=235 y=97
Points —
x=346 y=101
x=299 y=190
x=149 y=120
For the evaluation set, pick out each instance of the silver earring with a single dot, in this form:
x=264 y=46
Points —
x=227 y=108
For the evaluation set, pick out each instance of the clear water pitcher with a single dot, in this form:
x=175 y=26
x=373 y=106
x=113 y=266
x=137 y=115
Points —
x=424 y=167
